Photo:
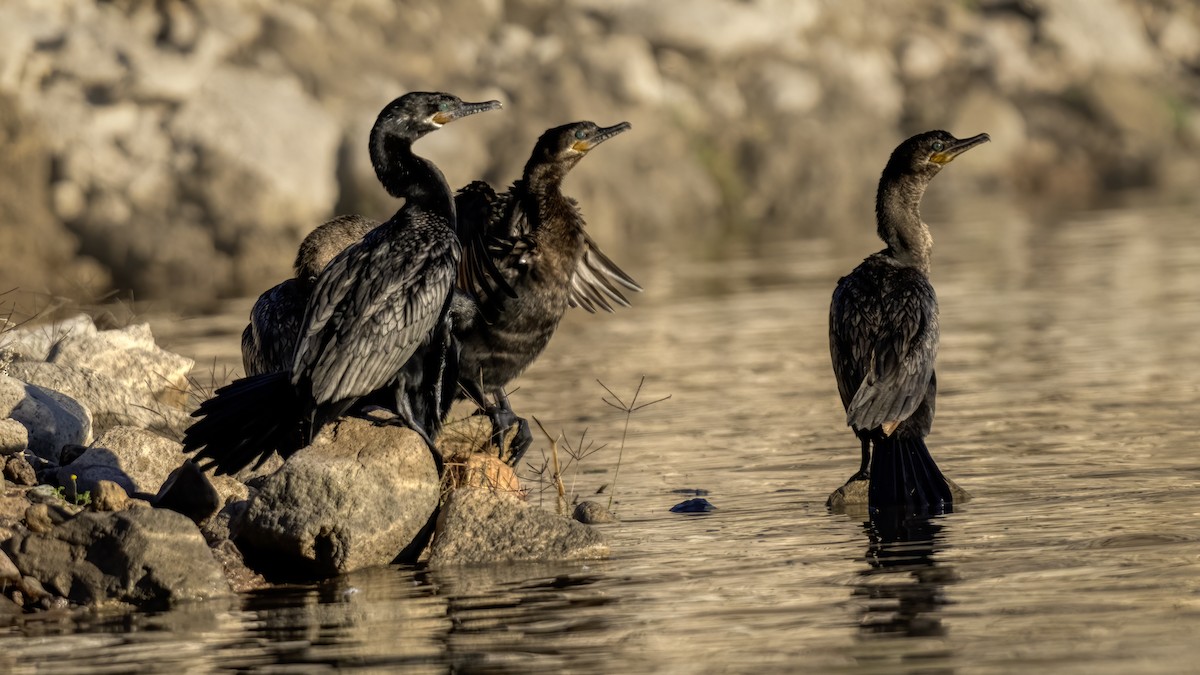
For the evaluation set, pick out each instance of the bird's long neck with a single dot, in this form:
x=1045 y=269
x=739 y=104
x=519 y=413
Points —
x=898 y=217
x=408 y=176
x=543 y=183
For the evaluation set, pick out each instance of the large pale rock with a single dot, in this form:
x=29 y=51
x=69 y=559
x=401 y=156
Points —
x=129 y=357
x=14 y=437
x=147 y=557
x=355 y=498
x=136 y=459
x=110 y=403
x=35 y=343
x=480 y=526
x=52 y=419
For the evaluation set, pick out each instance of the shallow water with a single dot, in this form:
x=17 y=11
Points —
x=1068 y=395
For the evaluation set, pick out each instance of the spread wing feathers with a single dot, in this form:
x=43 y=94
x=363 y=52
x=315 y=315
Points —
x=597 y=281
x=372 y=307
x=269 y=341
x=883 y=342
x=479 y=209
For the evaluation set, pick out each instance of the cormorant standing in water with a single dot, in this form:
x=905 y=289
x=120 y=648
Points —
x=269 y=340
x=536 y=239
x=883 y=335
x=378 y=315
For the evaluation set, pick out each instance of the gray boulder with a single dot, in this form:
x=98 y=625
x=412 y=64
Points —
x=147 y=557
x=480 y=526
x=51 y=418
x=136 y=459
x=355 y=498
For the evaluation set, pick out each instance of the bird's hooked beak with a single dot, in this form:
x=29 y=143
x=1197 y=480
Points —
x=603 y=134
x=959 y=147
x=463 y=110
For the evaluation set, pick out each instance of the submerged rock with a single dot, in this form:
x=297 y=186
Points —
x=591 y=513
x=697 y=505
x=356 y=497
x=485 y=526
x=147 y=557
x=852 y=499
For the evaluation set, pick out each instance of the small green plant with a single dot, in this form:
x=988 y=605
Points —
x=81 y=498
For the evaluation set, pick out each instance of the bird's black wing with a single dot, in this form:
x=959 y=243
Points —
x=269 y=341
x=884 y=340
x=597 y=281
x=372 y=307
x=479 y=209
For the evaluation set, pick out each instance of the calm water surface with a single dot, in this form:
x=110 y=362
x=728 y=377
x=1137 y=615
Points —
x=1068 y=400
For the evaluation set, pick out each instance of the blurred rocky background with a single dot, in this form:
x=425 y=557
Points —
x=179 y=149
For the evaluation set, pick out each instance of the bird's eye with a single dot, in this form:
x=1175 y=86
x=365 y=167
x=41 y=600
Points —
x=580 y=134
x=444 y=106
x=937 y=146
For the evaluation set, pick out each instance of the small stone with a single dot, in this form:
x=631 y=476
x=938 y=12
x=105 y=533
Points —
x=697 y=505
x=18 y=470
x=32 y=588
x=188 y=491
x=108 y=496
x=14 y=437
x=38 y=519
x=590 y=513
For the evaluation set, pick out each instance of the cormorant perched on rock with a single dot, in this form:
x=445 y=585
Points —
x=883 y=335
x=378 y=315
x=537 y=241
x=269 y=340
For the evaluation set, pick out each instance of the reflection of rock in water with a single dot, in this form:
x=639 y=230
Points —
x=901 y=590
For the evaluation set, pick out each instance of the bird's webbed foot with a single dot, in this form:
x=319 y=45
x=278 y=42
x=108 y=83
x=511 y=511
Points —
x=503 y=419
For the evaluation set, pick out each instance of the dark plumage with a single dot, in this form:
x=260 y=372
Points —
x=269 y=340
x=536 y=240
x=377 y=316
x=883 y=335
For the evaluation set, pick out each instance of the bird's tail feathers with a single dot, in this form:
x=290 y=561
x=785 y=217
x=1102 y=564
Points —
x=245 y=421
x=905 y=477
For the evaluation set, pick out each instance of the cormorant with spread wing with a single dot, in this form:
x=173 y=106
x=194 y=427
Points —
x=536 y=239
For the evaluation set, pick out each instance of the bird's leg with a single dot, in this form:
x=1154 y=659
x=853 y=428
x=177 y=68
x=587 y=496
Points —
x=406 y=417
x=864 y=469
x=503 y=417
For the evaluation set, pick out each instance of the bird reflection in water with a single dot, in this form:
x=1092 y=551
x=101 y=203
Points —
x=901 y=592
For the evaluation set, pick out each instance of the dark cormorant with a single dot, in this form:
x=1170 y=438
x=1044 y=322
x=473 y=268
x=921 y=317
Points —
x=537 y=241
x=883 y=335
x=377 y=316
x=269 y=340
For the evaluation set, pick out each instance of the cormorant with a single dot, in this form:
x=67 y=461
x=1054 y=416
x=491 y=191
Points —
x=269 y=340
x=536 y=239
x=883 y=335
x=378 y=315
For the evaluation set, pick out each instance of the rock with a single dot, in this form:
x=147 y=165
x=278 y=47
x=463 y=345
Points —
x=226 y=523
x=136 y=459
x=240 y=577
x=8 y=571
x=51 y=418
x=18 y=470
x=108 y=496
x=130 y=358
x=8 y=609
x=147 y=557
x=852 y=498
x=355 y=498
x=591 y=513
x=482 y=526
x=39 y=518
x=35 y=343
x=14 y=437
x=110 y=403
x=697 y=505
x=32 y=589
x=188 y=491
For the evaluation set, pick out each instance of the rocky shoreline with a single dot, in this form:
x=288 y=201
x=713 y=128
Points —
x=99 y=506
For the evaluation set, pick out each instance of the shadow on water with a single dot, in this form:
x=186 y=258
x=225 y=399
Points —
x=902 y=591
